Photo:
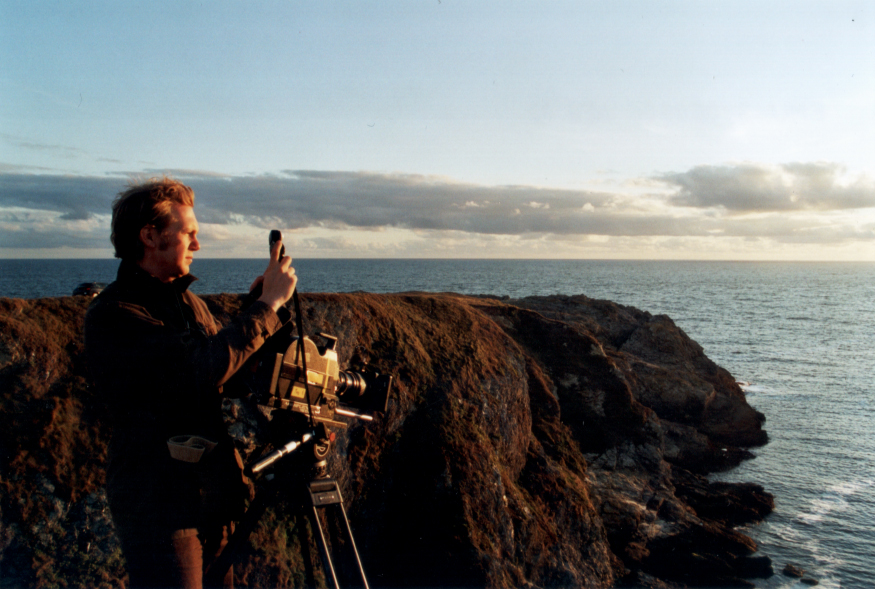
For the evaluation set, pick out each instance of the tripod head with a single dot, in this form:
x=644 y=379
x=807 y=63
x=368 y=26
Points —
x=319 y=439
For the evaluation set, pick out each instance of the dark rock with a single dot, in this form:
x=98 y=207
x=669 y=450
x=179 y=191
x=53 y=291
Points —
x=687 y=447
x=791 y=570
x=731 y=504
x=548 y=441
x=706 y=554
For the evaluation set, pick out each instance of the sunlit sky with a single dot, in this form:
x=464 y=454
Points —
x=442 y=128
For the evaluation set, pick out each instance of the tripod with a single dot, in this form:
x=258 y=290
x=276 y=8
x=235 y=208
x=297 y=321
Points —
x=319 y=392
x=313 y=501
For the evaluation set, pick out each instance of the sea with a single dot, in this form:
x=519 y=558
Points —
x=799 y=336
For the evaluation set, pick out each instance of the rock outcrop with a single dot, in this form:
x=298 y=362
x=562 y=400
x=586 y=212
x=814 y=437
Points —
x=540 y=442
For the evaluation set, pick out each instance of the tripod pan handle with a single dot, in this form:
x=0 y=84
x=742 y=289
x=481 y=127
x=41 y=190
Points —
x=279 y=453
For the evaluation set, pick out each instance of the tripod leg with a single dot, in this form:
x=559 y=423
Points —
x=325 y=493
x=327 y=563
x=306 y=555
x=358 y=560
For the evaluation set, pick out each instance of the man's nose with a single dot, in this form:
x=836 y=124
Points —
x=195 y=245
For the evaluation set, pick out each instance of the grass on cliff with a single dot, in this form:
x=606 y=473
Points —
x=52 y=450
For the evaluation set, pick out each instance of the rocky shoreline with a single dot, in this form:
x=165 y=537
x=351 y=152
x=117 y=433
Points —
x=539 y=442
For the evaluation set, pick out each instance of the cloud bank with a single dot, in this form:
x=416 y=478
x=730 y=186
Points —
x=790 y=187
x=792 y=203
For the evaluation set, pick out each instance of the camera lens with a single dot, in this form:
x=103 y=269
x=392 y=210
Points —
x=350 y=385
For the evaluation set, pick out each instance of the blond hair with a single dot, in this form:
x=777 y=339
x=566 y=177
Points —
x=142 y=204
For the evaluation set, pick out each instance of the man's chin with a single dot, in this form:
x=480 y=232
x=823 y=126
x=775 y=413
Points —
x=181 y=271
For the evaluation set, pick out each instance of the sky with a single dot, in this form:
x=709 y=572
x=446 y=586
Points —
x=445 y=128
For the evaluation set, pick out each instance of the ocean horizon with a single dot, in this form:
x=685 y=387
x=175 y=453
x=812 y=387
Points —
x=799 y=334
x=36 y=278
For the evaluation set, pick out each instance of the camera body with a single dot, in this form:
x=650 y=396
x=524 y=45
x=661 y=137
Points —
x=277 y=380
x=325 y=391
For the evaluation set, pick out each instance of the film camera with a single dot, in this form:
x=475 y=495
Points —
x=305 y=378
x=293 y=373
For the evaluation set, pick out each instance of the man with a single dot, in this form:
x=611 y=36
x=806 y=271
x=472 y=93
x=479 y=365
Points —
x=159 y=358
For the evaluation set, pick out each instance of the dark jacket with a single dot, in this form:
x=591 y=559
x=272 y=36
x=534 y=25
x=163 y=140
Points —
x=159 y=358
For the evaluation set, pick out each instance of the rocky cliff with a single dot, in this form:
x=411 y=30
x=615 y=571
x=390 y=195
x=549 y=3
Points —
x=540 y=442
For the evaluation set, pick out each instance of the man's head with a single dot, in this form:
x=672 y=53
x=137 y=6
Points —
x=153 y=224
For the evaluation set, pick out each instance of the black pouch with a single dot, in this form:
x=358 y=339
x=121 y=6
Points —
x=219 y=470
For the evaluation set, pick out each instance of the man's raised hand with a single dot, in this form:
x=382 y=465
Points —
x=279 y=280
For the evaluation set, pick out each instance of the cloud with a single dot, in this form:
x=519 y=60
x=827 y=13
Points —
x=789 y=187
x=76 y=197
x=24 y=229
x=333 y=211
x=299 y=199
x=62 y=151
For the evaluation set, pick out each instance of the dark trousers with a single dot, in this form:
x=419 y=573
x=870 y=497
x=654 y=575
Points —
x=173 y=517
x=161 y=558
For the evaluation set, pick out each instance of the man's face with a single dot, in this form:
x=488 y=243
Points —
x=175 y=245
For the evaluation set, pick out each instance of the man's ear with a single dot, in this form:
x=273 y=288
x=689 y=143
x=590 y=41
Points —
x=149 y=236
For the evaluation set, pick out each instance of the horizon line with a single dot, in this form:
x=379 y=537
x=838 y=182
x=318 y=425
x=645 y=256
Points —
x=413 y=258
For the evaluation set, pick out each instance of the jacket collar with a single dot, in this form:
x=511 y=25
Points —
x=131 y=273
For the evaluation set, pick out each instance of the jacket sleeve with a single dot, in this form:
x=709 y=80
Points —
x=128 y=348
x=230 y=347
